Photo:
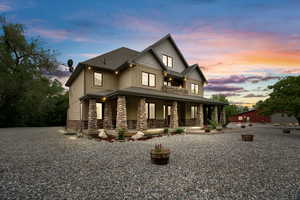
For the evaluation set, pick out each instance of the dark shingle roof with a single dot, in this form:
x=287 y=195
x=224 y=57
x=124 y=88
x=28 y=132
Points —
x=151 y=93
x=113 y=59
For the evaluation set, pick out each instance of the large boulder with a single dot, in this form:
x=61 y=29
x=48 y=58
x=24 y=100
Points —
x=138 y=135
x=102 y=134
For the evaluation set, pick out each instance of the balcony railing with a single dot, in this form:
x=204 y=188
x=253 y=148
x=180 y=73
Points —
x=174 y=90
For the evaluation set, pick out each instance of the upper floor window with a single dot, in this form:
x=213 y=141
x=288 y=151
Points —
x=194 y=88
x=168 y=61
x=193 y=112
x=98 y=79
x=150 y=110
x=148 y=79
x=99 y=110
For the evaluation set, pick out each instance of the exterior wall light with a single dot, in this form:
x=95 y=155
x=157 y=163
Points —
x=116 y=72
x=165 y=73
x=89 y=68
x=103 y=98
x=170 y=79
x=131 y=65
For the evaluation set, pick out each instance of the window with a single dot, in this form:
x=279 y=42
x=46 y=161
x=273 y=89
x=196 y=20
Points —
x=148 y=79
x=81 y=114
x=150 y=110
x=167 y=83
x=166 y=112
x=99 y=110
x=168 y=61
x=194 y=88
x=193 y=112
x=97 y=79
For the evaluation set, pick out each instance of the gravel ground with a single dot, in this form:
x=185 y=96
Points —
x=41 y=163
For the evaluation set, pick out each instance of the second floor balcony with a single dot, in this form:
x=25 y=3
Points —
x=175 y=90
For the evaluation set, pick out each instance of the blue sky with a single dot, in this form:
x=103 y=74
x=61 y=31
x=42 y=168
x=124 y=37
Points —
x=243 y=45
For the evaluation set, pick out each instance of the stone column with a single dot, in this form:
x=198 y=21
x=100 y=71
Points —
x=121 y=113
x=223 y=115
x=174 y=115
x=141 y=118
x=200 y=116
x=107 y=116
x=215 y=114
x=92 y=121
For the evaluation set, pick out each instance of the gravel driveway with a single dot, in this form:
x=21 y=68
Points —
x=41 y=163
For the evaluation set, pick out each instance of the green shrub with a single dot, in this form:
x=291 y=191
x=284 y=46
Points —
x=179 y=130
x=121 y=134
x=166 y=130
x=213 y=124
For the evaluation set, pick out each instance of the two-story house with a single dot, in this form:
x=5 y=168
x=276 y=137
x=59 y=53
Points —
x=128 y=89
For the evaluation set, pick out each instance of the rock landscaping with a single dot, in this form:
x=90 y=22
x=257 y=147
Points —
x=43 y=163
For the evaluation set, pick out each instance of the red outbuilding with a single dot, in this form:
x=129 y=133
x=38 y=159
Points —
x=252 y=116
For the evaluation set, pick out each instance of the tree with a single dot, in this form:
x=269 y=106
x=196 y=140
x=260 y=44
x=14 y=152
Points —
x=285 y=97
x=25 y=92
x=230 y=110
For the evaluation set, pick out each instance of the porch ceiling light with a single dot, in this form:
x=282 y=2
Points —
x=170 y=79
x=131 y=65
x=165 y=73
x=116 y=72
x=89 y=68
x=103 y=98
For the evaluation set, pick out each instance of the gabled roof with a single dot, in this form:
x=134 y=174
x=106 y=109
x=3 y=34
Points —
x=152 y=51
x=121 y=57
x=109 y=61
x=113 y=59
x=192 y=68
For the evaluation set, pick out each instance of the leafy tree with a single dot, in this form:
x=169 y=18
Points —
x=285 y=97
x=27 y=96
x=232 y=109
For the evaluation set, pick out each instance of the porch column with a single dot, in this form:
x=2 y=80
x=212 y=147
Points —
x=92 y=120
x=121 y=113
x=200 y=116
x=141 y=118
x=174 y=115
x=223 y=115
x=107 y=116
x=215 y=114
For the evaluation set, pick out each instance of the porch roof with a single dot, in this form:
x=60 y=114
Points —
x=151 y=93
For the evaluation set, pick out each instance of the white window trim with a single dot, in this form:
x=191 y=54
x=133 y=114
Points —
x=166 y=60
x=149 y=76
x=148 y=110
x=94 y=79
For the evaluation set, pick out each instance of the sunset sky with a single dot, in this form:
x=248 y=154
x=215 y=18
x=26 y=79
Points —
x=242 y=45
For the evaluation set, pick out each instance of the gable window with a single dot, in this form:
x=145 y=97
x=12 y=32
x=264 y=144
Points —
x=193 y=112
x=148 y=79
x=168 y=61
x=194 y=88
x=97 y=79
x=150 y=110
x=99 y=110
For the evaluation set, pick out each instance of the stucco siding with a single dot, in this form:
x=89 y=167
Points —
x=109 y=82
x=126 y=78
x=167 y=48
x=200 y=87
x=149 y=60
x=194 y=75
x=158 y=77
x=75 y=92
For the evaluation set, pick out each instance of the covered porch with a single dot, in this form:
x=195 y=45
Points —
x=140 y=110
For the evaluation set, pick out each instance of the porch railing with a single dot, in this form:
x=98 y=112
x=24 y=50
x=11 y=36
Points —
x=174 y=90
